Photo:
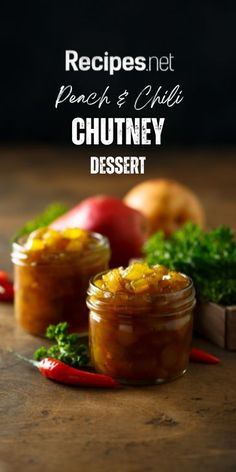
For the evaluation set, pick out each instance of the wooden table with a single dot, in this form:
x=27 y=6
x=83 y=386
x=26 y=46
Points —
x=188 y=425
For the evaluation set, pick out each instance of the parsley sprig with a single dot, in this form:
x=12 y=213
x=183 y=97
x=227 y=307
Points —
x=209 y=258
x=50 y=213
x=68 y=347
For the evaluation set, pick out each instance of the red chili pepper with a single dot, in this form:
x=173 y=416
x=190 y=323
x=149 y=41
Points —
x=6 y=288
x=58 y=371
x=196 y=355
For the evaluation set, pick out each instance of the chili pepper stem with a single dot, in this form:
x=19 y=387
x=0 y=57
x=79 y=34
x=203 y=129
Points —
x=30 y=361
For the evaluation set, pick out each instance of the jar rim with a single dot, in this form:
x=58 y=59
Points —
x=156 y=305
x=19 y=253
x=132 y=296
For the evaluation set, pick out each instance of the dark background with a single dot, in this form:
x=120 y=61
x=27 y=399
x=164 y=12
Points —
x=201 y=36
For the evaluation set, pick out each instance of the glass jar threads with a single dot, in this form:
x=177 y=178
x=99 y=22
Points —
x=52 y=271
x=140 y=323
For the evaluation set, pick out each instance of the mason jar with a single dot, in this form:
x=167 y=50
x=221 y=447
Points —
x=140 y=339
x=50 y=287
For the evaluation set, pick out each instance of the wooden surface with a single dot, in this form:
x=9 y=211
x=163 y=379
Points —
x=188 y=425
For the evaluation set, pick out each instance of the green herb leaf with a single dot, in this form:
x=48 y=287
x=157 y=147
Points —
x=67 y=349
x=54 y=331
x=52 y=212
x=40 y=353
x=209 y=258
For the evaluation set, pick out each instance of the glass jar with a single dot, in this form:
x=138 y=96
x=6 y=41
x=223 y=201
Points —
x=51 y=287
x=143 y=340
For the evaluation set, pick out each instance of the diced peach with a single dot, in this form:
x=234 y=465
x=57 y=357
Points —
x=160 y=270
x=141 y=278
x=99 y=283
x=113 y=280
x=70 y=239
x=52 y=239
x=136 y=271
x=35 y=245
x=140 y=285
x=75 y=233
x=50 y=234
x=37 y=234
x=74 y=245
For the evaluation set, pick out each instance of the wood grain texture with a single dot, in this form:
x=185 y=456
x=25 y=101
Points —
x=217 y=323
x=210 y=319
x=231 y=327
x=187 y=425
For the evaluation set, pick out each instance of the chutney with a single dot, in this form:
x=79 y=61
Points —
x=52 y=271
x=140 y=323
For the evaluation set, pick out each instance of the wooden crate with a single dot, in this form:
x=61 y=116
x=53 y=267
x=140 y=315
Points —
x=217 y=323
